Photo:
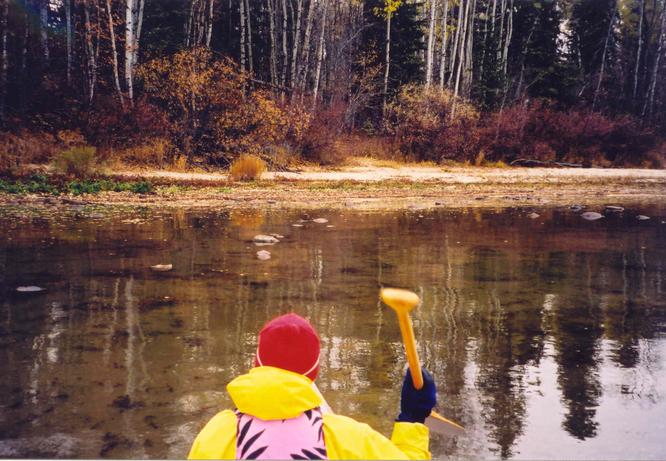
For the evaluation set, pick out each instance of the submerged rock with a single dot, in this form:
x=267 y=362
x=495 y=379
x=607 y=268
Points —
x=263 y=255
x=533 y=215
x=614 y=208
x=265 y=239
x=642 y=217
x=591 y=215
x=162 y=267
x=297 y=225
x=320 y=220
x=576 y=207
x=29 y=289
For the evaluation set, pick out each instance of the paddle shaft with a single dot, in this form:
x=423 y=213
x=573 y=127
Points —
x=409 y=341
x=410 y=348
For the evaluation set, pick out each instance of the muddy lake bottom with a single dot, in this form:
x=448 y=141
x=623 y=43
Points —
x=546 y=334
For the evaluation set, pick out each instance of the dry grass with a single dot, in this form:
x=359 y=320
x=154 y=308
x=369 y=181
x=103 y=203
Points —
x=79 y=162
x=247 y=168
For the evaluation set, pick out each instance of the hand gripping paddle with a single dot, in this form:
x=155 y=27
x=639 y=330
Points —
x=403 y=302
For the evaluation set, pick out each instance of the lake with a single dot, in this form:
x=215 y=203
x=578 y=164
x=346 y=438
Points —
x=546 y=335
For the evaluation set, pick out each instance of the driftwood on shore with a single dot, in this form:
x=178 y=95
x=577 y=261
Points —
x=532 y=162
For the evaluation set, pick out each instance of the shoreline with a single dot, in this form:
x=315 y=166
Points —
x=382 y=188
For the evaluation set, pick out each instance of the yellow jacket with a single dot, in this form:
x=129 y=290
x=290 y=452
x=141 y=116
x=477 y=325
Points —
x=272 y=393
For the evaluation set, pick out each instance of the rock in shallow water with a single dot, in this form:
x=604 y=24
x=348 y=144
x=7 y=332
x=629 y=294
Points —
x=533 y=215
x=320 y=220
x=263 y=255
x=614 y=208
x=642 y=217
x=29 y=289
x=265 y=239
x=591 y=215
x=162 y=267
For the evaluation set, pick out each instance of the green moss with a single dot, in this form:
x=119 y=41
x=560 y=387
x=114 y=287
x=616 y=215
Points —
x=41 y=184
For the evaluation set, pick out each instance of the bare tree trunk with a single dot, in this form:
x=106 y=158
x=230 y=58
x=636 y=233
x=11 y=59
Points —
x=130 y=27
x=189 y=25
x=485 y=40
x=209 y=23
x=249 y=36
x=456 y=40
x=304 y=64
x=445 y=31
x=640 y=49
x=649 y=99
x=44 y=28
x=387 y=63
x=296 y=44
x=114 y=52
x=91 y=65
x=462 y=59
x=507 y=42
x=242 y=37
x=431 y=43
x=137 y=36
x=271 y=23
x=5 y=58
x=285 y=54
x=68 y=39
x=469 y=55
x=320 y=56
x=603 y=58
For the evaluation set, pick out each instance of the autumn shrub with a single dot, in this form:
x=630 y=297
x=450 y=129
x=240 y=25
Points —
x=213 y=113
x=78 y=162
x=21 y=148
x=540 y=131
x=247 y=168
x=151 y=151
x=421 y=125
x=112 y=127
x=319 y=141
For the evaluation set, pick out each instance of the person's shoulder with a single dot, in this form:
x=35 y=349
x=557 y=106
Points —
x=216 y=439
x=221 y=421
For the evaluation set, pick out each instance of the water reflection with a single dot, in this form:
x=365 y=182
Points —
x=541 y=333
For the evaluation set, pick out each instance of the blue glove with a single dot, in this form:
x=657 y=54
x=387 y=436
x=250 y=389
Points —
x=415 y=406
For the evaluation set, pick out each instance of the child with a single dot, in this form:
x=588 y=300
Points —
x=279 y=413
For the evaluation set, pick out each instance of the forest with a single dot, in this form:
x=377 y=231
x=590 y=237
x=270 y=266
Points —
x=178 y=83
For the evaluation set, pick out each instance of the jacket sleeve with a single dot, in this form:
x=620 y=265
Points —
x=349 y=439
x=217 y=440
x=413 y=439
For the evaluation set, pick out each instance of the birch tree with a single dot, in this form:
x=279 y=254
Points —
x=445 y=33
x=4 y=7
x=603 y=57
x=296 y=42
x=430 y=54
x=649 y=99
x=114 y=53
x=44 y=28
x=640 y=48
x=390 y=7
x=133 y=25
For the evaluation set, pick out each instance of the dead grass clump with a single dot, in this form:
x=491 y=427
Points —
x=153 y=151
x=22 y=148
x=247 y=168
x=79 y=162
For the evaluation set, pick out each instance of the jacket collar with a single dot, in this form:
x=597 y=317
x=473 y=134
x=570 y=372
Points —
x=273 y=393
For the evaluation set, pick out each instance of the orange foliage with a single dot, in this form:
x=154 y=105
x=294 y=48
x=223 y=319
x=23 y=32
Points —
x=421 y=125
x=212 y=111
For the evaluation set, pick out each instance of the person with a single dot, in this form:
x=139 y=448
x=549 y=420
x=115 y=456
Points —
x=279 y=412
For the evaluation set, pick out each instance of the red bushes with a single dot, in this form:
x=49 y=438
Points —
x=538 y=131
x=422 y=126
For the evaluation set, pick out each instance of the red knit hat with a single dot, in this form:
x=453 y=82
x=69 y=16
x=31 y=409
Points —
x=289 y=342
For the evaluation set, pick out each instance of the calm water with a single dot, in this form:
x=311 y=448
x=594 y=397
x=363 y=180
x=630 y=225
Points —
x=547 y=337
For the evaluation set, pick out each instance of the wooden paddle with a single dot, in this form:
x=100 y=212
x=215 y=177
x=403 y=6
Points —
x=403 y=302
